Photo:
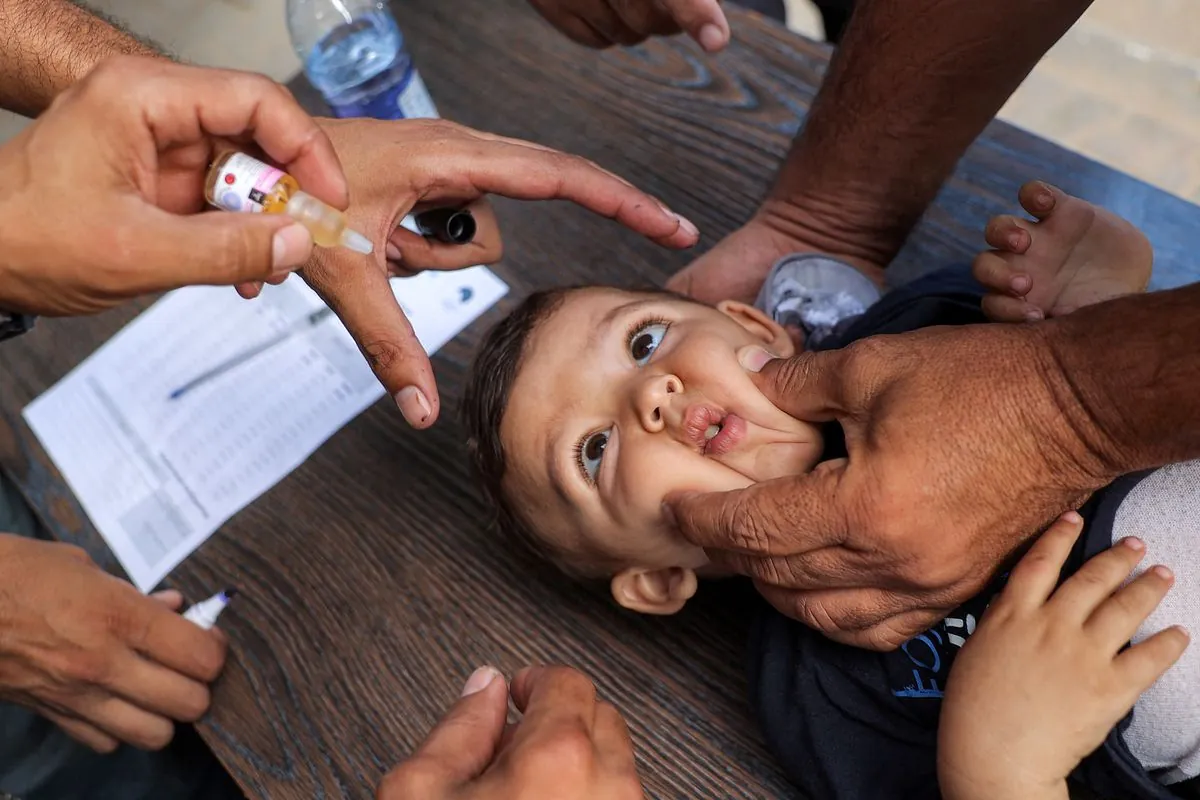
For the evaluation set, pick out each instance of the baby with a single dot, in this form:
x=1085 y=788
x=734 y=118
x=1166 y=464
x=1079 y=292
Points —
x=589 y=406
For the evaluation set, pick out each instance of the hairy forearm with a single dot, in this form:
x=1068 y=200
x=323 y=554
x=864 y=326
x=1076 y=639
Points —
x=1127 y=374
x=47 y=45
x=912 y=84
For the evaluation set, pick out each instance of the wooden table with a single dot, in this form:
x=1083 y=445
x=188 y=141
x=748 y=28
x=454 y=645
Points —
x=371 y=585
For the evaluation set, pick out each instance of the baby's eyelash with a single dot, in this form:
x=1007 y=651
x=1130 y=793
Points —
x=640 y=326
x=578 y=448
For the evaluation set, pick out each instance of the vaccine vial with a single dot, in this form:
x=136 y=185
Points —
x=238 y=182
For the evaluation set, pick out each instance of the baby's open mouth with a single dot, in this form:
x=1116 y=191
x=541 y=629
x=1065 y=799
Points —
x=721 y=437
x=711 y=430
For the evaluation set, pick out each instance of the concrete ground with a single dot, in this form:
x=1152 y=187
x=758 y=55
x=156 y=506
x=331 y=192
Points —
x=1122 y=87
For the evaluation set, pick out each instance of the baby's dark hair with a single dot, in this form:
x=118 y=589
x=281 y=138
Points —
x=489 y=386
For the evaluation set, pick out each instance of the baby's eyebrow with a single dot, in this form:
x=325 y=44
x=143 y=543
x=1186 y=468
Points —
x=602 y=328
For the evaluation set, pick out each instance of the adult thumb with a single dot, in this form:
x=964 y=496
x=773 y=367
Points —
x=808 y=386
x=466 y=740
x=219 y=248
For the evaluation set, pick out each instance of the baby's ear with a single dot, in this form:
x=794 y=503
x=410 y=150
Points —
x=773 y=335
x=654 y=591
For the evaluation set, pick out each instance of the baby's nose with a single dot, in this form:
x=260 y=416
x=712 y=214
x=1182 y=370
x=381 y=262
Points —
x=654 y=398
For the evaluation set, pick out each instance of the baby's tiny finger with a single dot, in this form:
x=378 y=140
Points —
x=996 y=272
x=1036 y=575
x=1096 y=580
x=1008 y=233
x=1144 y=663
x=1118 y=617
x=1002 y=308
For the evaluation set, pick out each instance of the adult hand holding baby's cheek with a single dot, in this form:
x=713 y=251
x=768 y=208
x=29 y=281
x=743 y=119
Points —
x=100 y=196
x=958 y=448
x=396 y=167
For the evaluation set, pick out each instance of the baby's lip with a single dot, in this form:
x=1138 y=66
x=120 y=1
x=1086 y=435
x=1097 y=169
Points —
x=696 y=421
x=733 y=431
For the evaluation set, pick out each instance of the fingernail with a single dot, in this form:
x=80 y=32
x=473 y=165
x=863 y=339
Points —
x=687 y=225
x=413 y=405
x=1014 y=241
x=1163 y=573
x=1034 y=315
x=290 y=248
x=1186 y=634
x=711 y=38
x=392 y=252
x=753 y=359
x=480 y=679
x=1134 y=543
x=1021 y=284
x=1072 y=517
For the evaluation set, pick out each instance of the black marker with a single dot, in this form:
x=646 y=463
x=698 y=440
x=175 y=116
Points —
x=449 y=225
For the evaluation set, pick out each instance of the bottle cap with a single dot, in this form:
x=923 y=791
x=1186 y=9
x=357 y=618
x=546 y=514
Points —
x=353 y=240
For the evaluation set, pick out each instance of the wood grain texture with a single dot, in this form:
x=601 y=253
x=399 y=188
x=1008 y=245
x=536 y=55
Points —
x=371 y=586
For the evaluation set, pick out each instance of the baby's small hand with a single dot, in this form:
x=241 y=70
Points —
x=1043 y=681
x=1075 y=254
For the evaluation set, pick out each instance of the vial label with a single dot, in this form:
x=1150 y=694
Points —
x=244 y=183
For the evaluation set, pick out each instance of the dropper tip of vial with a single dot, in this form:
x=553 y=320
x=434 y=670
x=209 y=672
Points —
x=353 y=240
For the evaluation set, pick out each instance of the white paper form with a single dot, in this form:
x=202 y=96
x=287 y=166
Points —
x=158 y=476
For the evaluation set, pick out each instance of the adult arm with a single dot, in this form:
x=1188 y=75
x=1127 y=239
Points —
x=910 y=87
x=51 y=44
x=953 y=466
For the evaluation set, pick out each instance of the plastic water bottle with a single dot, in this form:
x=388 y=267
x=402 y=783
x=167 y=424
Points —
x=353 y=52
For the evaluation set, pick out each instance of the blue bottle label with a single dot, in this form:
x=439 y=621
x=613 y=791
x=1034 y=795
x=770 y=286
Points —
x=406 y=99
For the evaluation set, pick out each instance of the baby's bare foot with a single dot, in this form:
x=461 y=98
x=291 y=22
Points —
x=1074 y=254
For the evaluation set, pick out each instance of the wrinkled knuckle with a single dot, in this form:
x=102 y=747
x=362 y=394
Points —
x=815 y=615
x=793 y=374
x=382 y=354
x=748 y=530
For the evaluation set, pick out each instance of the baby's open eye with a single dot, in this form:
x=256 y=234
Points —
x=645 y=340
x=590 y=453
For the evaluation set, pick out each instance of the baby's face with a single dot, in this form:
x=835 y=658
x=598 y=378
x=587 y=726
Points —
x=623 y=399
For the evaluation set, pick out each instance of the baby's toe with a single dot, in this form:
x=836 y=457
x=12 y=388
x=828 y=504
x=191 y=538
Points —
x=997 y=274
x=1006 y=232
x=1003 y=308
x=1040 y=198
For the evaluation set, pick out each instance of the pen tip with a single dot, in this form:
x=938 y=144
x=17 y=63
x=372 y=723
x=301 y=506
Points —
x=230 y=593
